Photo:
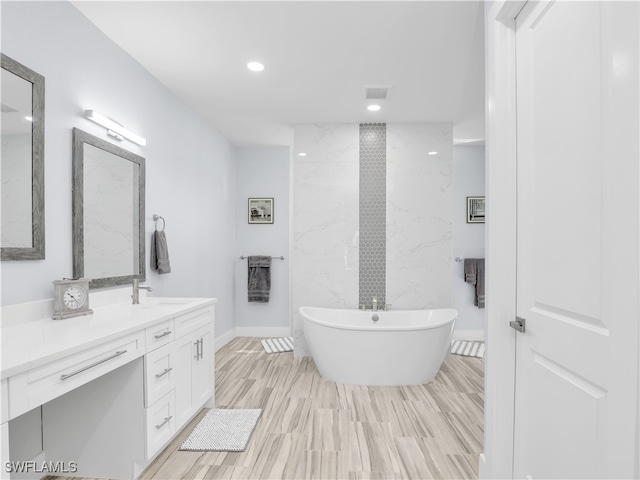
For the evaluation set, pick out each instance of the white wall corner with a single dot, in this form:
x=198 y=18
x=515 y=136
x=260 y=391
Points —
x=225 y=338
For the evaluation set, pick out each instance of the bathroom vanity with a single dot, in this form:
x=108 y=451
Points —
x=114 y=387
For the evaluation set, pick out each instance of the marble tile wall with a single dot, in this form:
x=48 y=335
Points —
x=419 y=215
x=325 y=221
x=335 y=205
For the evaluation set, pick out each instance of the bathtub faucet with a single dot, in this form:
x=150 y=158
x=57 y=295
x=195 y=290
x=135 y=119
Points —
x=374 y=304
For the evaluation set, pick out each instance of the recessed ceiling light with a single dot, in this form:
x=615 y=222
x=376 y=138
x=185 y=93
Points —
x=302 y=154
x=373 y=108
x=433 y=153
x=255 y=66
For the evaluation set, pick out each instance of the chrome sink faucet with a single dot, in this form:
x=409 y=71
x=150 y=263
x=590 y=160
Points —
x=374 y=304
x=136 y=290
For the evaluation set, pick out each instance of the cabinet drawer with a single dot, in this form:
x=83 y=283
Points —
x=49 y=381
x=159 y=377
x=160 y=335
x=192 y=321
x=161 y=425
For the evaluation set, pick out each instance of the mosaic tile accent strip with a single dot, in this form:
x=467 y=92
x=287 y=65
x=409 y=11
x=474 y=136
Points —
x=373 y=212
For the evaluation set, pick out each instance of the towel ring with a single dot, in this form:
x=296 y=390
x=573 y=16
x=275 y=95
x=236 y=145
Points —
x=158 y=217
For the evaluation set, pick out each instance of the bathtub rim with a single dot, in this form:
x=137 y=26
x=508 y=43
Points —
x=377 y=328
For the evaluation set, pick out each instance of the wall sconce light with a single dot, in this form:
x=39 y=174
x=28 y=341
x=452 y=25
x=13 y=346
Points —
x=114 y=129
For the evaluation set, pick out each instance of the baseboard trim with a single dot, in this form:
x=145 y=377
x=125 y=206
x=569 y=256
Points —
x=269 y=332
x=222 y=340
x=225 y=338
x=473 y=335
x=482 y=467
x=263 y=332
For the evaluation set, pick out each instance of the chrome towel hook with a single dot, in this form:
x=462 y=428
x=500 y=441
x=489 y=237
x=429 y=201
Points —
x=158 y=217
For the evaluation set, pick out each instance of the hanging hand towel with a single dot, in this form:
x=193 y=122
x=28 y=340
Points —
x=474 y=275
x=259 y=282
x=160 y=252
x=479 y=298
x=470 y=270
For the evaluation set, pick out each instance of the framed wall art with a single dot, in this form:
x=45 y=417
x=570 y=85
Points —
x=475 y=209
x=261 y=210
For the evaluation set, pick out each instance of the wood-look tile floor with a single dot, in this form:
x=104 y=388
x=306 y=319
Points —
x=311 y=428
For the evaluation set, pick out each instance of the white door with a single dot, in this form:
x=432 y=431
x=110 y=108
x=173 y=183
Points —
x=577 y=261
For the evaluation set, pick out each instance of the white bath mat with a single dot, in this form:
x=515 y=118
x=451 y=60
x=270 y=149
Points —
x=223 y=430
x=278 y=345
x=467 y=349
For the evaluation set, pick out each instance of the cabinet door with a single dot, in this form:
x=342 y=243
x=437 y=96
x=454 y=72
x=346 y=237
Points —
x=194 y=372
x=185 y=351
x=202 y=370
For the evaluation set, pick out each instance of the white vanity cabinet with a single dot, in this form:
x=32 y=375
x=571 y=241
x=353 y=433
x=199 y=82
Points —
x=179 y=376
x=119 y=393
x=4 y=424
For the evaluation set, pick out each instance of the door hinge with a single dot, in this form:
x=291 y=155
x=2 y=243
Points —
x=518 y=324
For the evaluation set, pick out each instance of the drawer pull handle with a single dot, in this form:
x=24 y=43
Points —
x=166 y=370
x=163 y=334
x=117 y=354
x=166 y=420
x=197 y=344
x=199 y=349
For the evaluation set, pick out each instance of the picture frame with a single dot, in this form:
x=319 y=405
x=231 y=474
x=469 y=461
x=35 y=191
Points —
x=260 y=210
x=475 y=209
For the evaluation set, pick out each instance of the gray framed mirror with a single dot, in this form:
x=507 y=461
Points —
x=108 y=212
x=22 y=164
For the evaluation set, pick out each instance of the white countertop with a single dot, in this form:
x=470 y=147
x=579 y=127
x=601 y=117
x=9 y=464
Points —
x=29 y=344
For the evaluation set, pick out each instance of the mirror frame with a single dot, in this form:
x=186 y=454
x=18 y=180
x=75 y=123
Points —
x=79 y=139
x=37 y=249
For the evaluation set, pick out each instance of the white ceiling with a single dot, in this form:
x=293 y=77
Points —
x=318 y=57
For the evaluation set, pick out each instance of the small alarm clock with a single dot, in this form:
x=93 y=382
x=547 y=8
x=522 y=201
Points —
x=70 y=298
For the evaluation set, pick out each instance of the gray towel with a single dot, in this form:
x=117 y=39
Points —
x=470 y=270
x=479 y=298
x=160 y=252
x=259 y=282
x=474 y=274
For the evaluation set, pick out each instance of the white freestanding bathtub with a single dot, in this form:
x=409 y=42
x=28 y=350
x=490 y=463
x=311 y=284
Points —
x=402 y=347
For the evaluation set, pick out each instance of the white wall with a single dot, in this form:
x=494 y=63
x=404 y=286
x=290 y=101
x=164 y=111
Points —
x=468 y=238
x=263 y=172
x=190 y=176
